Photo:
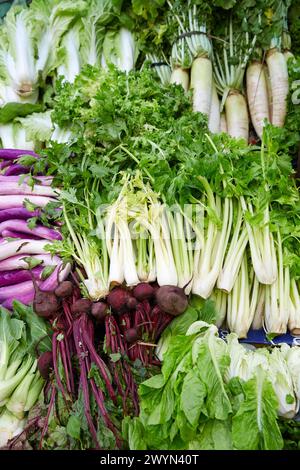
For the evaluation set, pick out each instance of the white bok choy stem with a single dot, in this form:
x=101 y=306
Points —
x=220 y=299
x=294 y=317
x=181 y=240
x=277 y=303
x=208 y=260
x=258 y=319
x=90 y=253
x=235 y=253
x=238 y=305
x=120 y=49
x=262 y=248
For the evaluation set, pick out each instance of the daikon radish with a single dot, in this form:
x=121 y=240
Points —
x=288 y=55
x=223 y=123
x=214 y=115
x=257 y=94
x=279 y=85
x=237 y=115
x=269 y=90
x=180 y=76
x=201 y=84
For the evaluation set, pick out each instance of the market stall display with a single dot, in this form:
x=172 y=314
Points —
x=149 y=224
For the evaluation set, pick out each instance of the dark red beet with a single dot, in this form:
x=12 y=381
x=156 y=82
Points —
x=143 y=291
x=99 y=311
x=81 y=306
x=117 y=299
x=65 y=289
x=131 y=335
x=45 y=304
x=131 y=303
x=171 y=299
x=45 y=364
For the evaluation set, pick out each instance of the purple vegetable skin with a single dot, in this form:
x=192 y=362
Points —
x=41 y=180
x=17 y=213
x=17 y=262
x=16 y=169
x=9 y=278
x=26 y=299
x=20 y=235
x=12 y=154
x=22 y=227
x=16 y=290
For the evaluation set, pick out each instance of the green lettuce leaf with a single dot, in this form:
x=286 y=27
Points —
x=254 y=426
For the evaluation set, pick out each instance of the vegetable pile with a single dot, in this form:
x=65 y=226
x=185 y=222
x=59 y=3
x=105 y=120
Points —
x=25 y=200
x=149 y=221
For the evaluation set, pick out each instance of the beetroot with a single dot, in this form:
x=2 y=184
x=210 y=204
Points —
x=131 y=303
x=45 y=304
x=99 y=311
x=45 y=364
x=131 y=335
x=81 y=306
x=171 y=299
x=143 y=291
x=117 y=299
x=64 y=289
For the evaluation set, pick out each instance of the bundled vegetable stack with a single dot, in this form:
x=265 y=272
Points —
x=213 y=395
x=24 y=258
x=20 y=381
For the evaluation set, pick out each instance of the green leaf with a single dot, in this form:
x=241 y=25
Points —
x=212 y=362
x=38 y=331
x=115 y=357
x=26 y=160
x=12 y=110
x=192 y=397
x=213 y=435
x=73 y=427
x=255 y=425
x=47 y=271
x=31 y=262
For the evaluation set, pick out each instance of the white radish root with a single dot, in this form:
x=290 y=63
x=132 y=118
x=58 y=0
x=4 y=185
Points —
x=279 y=84
x=257 y=94
x=201 y=84
x=237 y=115
x=181 y=77
x=214 y=115
x=223 y=123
